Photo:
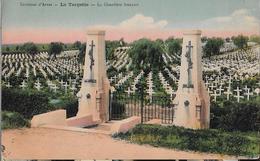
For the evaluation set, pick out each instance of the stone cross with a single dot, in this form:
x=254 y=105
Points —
x=91 y=58
x=54 y=87
x=188 y=56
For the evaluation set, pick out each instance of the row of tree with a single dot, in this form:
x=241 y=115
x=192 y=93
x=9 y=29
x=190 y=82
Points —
x=54 y=48
x=213 y=45
x=143 y=51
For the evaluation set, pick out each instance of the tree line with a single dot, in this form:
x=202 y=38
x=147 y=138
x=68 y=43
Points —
x=144 y=52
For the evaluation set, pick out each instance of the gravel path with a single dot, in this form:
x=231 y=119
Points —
x=44 y=143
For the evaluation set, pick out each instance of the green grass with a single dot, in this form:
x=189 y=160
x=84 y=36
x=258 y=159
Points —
x=207 y=140
x=11 y=120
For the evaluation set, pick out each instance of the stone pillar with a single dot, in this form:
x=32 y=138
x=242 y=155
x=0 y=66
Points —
x=94 y=92
x=192 y=101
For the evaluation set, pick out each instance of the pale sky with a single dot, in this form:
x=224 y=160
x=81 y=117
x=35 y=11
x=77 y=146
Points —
x=151 y=18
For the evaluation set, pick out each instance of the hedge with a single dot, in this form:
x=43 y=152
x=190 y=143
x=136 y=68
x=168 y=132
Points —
x=207 y=140
x=232 y=116
x=70 y=104
x=25 y=102
x=13 y=120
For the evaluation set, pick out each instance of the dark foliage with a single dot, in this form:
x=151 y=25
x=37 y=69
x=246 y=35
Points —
x=27 y=103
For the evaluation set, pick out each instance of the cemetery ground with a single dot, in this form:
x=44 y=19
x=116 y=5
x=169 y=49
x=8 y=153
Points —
x=35 y=85
x=42 y=143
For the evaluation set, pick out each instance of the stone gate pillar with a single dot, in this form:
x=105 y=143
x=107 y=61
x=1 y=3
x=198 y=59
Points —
x=94 y=92
x=192 y=101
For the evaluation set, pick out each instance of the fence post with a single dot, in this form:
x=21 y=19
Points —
x=110 y=104
x=142 y=106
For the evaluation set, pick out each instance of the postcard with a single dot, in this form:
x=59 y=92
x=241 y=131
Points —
x=130 y=80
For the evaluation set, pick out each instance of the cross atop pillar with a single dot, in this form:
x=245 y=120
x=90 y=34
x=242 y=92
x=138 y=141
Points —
x=192 y=96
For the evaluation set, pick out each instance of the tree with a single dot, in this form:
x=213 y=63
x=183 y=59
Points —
x=174 y=47
x=171 y=38
x=146 y=54
x=82 y=52
x=30 y=48
x=7 y=48
x=240 y=41
x=159 y=41
x=255 y=38
x=17 y=48
x=110 y=49
x=77 y=45
x=122 y=42
x=227 y=39
x=55 y=48
x=204 y=39
x=213 y=46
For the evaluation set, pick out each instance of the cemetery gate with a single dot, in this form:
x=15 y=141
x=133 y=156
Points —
x=123 y=105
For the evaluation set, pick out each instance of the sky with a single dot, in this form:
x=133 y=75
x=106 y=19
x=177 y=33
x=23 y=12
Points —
x=149 y=18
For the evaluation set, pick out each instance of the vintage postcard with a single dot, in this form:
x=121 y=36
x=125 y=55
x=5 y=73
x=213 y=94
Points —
x=130 y=80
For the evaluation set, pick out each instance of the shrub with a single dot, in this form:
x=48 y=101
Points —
x=205 y=140
x=69 y=103
x=25 y=102
x=235 y=116
x=13 y=120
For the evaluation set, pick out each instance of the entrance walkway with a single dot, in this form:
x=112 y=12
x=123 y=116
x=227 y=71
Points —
x=44 y=143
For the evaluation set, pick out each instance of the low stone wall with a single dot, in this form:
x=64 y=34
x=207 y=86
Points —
x=57 y=117
x=125 y=125
x=82 y=121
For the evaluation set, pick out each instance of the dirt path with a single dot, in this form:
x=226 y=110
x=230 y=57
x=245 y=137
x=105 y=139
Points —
x=44 y=143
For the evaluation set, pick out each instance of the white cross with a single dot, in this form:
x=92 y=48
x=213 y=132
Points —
x=66 y=86
x=150 y=91
x=248 y=94
x=70 y=80
x=54 y=87
x=8 y=85
x=111 y=79
x=210 y=79
x=129 y=91
x=23 y=85
x=207 y=83
x=206 y=77
x=228 y=92
x=238 y=96
x=215 y=95
x=61 y=83
x=220 y=89
x=212 y=86
x=38 y=87
x=171 y=92
x=209 y=91
x=115 y=77
x=73 y=88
